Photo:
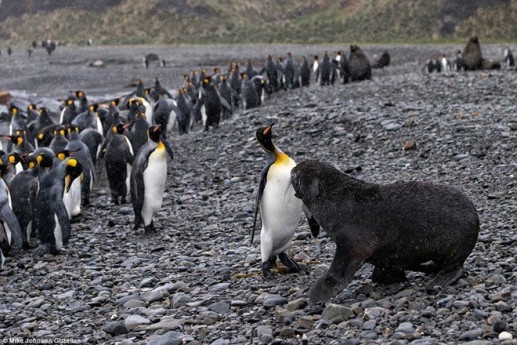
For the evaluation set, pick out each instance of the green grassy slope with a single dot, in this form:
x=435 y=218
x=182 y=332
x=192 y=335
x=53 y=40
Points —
x=241 y=21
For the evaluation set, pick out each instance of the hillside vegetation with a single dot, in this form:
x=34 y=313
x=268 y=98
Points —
x=267 y=21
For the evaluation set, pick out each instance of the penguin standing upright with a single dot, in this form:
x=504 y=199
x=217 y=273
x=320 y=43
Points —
x=69 y=112
x=80 y=151
x=9 y=228
x=305 y=72
x=50 y=215
x=226 y=93
x=250 y=96
x=508 y=57
x=315 y=67
x=289 y=71
x=148 y=176
x=23 y=188
x=184 y=116
x=279 y=209
x=325 y=69
x=271 y=72
x=118 y=159
x=211 y=107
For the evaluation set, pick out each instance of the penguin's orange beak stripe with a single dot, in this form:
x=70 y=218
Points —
x=266 y=131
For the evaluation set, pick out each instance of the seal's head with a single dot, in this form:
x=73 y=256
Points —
x=309 y=179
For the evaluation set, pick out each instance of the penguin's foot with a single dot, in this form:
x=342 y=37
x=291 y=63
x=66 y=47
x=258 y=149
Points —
x=149 y=229
x=76 y=219
x=123 y=200
x=266 y=271
x=289 y=263
x=114 y=201
x=28 y=246
x=43 y=249
x=272 y=262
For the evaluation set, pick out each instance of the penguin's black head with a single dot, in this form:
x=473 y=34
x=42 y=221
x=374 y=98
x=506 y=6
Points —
x=3 y=168
x=93 y=107
x=264 y=137
x=206 y=81
x=43 y=111
x=79 y=94
x=31 y=107
x=120 y=128
x=114 y=102
x=73 y=170
x=155 y=132
x=62 y=155
x=43 y=156
x=14 y=158
x=13 y=110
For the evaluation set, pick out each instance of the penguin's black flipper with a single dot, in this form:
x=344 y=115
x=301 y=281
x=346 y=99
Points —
x=262 y=186
x=7 y=215
x=64 y=221
x=225 y=103
x=137 y=187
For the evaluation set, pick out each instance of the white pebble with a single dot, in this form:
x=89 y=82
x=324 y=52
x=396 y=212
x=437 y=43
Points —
x=505 y=336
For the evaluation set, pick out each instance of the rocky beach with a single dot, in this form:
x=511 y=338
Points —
x=198 y=280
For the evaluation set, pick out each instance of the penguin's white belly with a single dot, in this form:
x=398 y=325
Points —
x=58 y=234
x=129 y=167
x=204 y=118
x=280 y=212
x=154 y=184
x=72 y=199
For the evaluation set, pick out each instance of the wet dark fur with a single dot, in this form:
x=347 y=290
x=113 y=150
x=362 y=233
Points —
x=472 y=54
x=359 y=65
x=395 y=227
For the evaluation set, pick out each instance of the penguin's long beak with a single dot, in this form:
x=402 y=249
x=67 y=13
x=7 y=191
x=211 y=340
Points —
x=68 y=182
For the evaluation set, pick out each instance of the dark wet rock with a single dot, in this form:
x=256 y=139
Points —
x=115 y=328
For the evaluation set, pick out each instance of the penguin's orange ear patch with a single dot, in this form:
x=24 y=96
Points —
x=72 y=162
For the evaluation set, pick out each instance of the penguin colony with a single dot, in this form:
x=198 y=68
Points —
x=47 y=156
x=54 y=156
x=470 y=59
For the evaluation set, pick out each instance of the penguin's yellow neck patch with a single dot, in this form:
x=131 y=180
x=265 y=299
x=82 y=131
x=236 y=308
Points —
x=281 y=158
x=160 y=146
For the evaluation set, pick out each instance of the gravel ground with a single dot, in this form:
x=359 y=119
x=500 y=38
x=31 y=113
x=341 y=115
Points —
x=198 y=281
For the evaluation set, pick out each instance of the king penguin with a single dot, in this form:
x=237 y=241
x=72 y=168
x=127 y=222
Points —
x=148 y=176
x=50 y=215
x=118 y=159
x=9 y=227
x=279 y=209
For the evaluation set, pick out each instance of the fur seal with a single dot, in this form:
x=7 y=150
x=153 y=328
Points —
x=418 y=226
x=359 y=65
x=472 y=56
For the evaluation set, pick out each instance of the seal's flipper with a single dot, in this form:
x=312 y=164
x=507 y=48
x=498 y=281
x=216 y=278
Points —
x=345 y=263
x=447 y=276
